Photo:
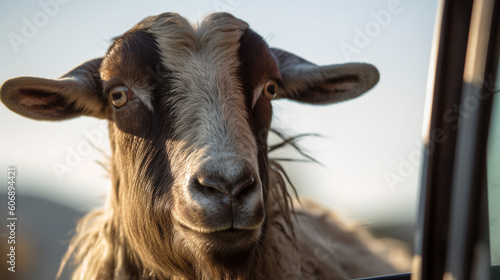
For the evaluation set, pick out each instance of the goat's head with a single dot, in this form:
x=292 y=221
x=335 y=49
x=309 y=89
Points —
x=189 y=109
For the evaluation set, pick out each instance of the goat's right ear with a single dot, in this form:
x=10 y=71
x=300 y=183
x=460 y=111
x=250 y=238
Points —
x=306 y=82
x=77 y=93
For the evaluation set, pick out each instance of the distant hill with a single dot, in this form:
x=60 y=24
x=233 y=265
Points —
x=43 y=231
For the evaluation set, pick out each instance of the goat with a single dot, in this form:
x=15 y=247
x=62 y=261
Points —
x=194 y=195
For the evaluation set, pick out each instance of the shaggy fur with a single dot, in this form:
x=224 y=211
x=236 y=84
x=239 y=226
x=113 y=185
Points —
x=305 y=241
x=308 y=242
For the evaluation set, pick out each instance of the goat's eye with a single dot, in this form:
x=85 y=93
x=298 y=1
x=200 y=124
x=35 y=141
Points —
x=119 y=96
x=270 y=89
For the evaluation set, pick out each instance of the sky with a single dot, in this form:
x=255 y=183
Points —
x=370 y=146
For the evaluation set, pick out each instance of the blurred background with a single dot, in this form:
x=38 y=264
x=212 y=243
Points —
x=369 y=147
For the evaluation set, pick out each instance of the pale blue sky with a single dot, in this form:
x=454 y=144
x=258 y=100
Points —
x=365 y=139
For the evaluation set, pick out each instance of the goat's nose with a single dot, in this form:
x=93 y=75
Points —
x=232 y=189
x=229 y=197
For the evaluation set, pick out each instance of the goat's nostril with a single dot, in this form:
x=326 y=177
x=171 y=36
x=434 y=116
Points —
x=208 y=186
x=245 y=185
x=212 y=190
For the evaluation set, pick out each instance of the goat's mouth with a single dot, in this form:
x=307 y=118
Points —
x=209 y=231
x=217 y=231
x=228 y=240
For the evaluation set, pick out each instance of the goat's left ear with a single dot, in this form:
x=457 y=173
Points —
x=306 y=82
x=77 y=93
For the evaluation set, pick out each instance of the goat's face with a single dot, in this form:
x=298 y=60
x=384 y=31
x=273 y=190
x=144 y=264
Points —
x=188 y=110
x=186 y=137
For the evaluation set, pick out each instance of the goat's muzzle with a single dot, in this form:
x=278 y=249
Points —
x=223 y=204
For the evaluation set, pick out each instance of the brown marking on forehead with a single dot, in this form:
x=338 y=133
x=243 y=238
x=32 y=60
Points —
x=133 y=57
x=257 y=63
x=132 y=61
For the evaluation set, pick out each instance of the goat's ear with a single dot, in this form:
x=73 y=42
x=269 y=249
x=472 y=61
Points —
x=77 y=93
x=306 y=82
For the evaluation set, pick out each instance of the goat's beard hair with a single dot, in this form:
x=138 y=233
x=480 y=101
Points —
x=247 y=264
x=118 y=243
x=162 y=254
